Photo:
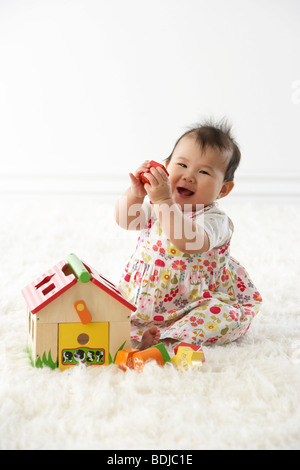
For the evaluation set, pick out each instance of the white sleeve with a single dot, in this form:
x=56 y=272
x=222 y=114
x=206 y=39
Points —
x=148 y=210
x=218 y=227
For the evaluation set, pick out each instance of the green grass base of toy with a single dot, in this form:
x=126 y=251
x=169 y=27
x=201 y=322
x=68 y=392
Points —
x=45 y=361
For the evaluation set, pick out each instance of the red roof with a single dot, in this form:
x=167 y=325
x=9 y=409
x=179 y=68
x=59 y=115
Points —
x=60 y=278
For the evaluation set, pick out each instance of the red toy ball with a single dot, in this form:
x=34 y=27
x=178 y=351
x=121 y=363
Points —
x=143 y=177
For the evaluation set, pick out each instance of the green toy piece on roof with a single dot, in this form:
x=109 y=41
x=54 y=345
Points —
x=78 y=268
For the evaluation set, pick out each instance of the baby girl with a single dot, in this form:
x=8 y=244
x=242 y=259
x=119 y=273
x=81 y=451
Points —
x=181 y=277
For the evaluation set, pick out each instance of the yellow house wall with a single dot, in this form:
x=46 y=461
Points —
x=97 y=336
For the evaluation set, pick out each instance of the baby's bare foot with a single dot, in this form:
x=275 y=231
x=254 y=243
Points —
x=150 y=337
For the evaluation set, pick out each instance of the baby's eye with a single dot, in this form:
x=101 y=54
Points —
x=203 y=172
x=183 y=165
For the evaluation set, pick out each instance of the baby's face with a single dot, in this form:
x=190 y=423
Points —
x=197 y=176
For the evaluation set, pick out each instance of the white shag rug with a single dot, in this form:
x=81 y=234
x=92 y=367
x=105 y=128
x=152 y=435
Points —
x=246 y=396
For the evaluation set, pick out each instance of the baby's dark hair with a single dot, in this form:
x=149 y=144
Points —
x=215 y=135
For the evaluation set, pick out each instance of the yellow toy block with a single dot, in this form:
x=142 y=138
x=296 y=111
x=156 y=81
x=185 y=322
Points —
x=187 y=357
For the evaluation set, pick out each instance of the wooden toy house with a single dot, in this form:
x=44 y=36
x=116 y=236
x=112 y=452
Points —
x=74 y=316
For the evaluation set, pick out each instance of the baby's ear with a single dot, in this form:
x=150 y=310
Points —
x=226 y=189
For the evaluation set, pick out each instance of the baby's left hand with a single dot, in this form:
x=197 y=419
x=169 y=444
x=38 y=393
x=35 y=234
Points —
x=159 y=190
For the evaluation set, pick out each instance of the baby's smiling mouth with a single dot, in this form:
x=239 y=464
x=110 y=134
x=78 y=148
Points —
x=184 y=191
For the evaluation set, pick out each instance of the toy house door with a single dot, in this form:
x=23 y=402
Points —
x=87 y=344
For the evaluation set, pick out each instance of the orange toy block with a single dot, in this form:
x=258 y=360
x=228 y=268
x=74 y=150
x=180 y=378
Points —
x=82 y=311
x=143 y=176
x=156 y=353
x=140 y=358
x=124 y=358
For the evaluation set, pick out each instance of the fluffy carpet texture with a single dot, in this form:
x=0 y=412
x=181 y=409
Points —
x=246 y=395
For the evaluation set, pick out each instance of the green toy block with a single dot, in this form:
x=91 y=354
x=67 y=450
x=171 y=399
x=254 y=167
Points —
x=163 y=351
x=78 y=268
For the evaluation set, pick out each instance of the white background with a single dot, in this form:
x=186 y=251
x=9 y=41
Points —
x=90 y=88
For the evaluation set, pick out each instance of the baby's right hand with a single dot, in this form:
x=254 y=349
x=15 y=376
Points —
x=137 y=187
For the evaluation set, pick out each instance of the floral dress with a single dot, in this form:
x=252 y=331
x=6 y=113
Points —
x=196 y=298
